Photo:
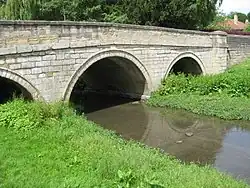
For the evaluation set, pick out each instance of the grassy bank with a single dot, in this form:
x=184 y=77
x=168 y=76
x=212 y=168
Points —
x=50 y=146
x=226 y=95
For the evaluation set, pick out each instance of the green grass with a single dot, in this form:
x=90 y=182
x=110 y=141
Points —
x=225 y=95
x=66 y=150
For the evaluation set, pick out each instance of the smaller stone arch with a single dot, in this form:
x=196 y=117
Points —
x=18 y=79
x=190 y=55
x=99 y=56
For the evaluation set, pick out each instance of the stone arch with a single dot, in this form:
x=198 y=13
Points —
x=190 y=55
x=102 y=55
x=18 y=79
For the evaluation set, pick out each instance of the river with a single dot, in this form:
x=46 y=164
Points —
x=224 y=145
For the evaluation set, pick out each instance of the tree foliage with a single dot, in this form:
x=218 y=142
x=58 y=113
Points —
x=241 y=16
x=218 y=22
x=187 y=14
x=76 y=10
x=19 y=9
x=247 y=29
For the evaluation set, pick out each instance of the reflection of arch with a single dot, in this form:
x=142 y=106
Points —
x=194 y=125
x=102 y=55
x=161 y=132
x=5 y=73
x=123 y=125
x=190 y=55
x=170 y=127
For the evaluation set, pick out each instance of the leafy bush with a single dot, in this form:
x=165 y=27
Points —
x=20 y=114
x=234 y=82
x=247 y=29
x=224 y=95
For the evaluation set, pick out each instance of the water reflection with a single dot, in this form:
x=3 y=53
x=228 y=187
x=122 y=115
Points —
x=234 y=155
x=216 y=142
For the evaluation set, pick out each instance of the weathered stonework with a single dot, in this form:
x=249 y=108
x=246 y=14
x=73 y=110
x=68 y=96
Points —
x=49 y=57
x=239 y=48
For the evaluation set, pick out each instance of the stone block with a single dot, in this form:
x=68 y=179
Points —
x=55 y=68
x=8 y=51
x=33 y=40
x=56 y=62
x=21 y=59
x=67 y=62
x=41 y=47
x=78 y=44
x=23 y=48
x=49 y=74
x=49 y=57
x=74 y=56
x=60 y=56
x=15 y=66
x=42 y=75
x=34 y=58
x=67 y=56
x=61 y=45
x=26 y=65
x=50 y=52
x=10 y=60
x=80 y=61
x=36 y=70
x=43 y=63
x=24 y=71
x=2 y=61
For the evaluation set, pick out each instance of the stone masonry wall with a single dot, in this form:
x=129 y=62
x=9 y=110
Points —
x=50 y=56
x=238 y=48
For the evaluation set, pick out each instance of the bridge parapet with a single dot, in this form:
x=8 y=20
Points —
x=28 y=36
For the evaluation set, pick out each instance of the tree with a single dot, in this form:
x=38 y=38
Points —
x=241 y=16
x=19 y=9
x=248 y=16
x=76 y=10
x=188 y=14
x=218 y=22
x=185 y=14
x=53 y=9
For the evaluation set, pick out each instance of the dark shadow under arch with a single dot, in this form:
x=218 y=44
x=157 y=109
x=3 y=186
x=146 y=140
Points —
x=186 y=65
x=10 y=89
x=108 y=82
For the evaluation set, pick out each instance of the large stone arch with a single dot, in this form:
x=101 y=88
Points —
x=15 y=77
x=188 y=54
x=99 y=56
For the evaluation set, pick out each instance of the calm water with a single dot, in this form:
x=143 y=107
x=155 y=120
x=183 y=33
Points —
x=223 y=144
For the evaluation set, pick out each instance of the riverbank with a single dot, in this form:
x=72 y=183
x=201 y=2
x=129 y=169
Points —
x=49 y=146
x=225 y=95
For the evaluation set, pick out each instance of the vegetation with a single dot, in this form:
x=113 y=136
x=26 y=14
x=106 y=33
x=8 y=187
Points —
x=188 y=14
x=217 y=23
x=241 y=16
x=50 y=146
x=248 y=28
x=225 y=95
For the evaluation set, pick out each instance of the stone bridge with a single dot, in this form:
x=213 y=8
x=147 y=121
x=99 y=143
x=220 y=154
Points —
x=48 y=60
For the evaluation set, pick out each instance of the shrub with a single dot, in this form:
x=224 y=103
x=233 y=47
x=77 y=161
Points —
x=234 y=82
x=247 y=29
x=20 y=114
